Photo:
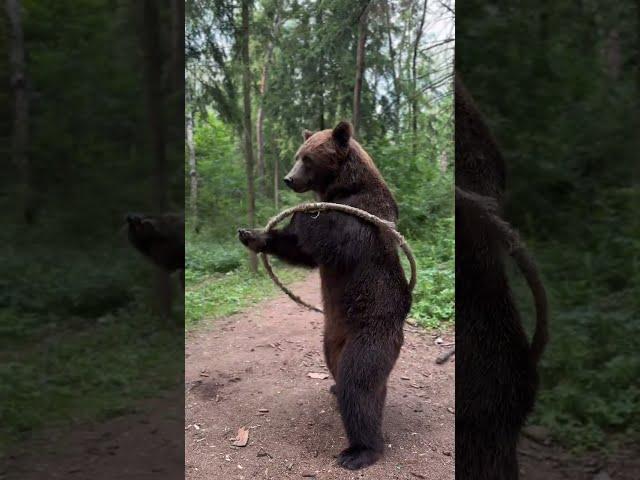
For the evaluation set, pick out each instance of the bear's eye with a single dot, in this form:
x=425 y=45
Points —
x=306 y=159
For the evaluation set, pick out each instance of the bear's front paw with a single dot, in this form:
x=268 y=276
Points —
x=252 y=239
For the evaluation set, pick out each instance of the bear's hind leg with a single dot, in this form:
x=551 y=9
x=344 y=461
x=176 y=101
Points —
x=363 y=370
x=333 y=345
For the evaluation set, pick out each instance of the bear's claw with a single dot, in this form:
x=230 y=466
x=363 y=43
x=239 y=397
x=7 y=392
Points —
x=354 y=458
x=245 y=236
x=251 y=239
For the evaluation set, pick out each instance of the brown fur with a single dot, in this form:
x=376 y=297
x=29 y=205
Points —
x=160 y=238
x=365 y=294
x=496 y=377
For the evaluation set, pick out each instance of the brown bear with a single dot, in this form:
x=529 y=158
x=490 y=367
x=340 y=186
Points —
x=365 y=294
x=160 y=238
x=496 y=376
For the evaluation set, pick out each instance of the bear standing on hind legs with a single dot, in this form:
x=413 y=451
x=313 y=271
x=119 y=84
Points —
x=496 y=368
x=365 y=294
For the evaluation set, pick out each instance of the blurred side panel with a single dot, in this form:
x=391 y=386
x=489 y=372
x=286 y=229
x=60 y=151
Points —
x=556 y=87
x=91 y=201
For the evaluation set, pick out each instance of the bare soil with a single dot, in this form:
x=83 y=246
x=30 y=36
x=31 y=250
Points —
x=251 y=370
x=542 y=460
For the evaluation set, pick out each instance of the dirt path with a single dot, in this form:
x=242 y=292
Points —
x=260 y=359
x=546 y=461
x=140 y=446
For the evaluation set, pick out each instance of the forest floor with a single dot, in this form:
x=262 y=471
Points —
x=251 y=370
x=540 y=459
x=142 y=445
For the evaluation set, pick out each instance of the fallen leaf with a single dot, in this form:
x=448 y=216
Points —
x=318 y=376
x=242 y=438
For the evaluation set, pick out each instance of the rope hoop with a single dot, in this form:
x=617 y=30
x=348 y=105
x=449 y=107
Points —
x=324 y=206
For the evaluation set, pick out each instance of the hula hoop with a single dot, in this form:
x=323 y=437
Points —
x=324 y=206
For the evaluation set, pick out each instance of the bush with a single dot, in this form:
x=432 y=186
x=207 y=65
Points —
x=204 y=257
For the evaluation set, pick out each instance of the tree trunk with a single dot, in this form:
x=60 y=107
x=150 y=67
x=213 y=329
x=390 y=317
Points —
x=276 y=181
x=414 y=81
x=193 y=171
x=20 y=137
x=320 y=72
x=357 y=91
x=638 y=52
x=177 y=46
x=246 y=126
x=321 y=121
x=264 y=78
x=403 y=66
x=392 y=59
x=157 y=130
x=260 y=135
x=637 y=169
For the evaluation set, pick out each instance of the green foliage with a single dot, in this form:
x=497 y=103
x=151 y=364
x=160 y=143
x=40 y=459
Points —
x=215 y=290
x=434 y=296
x=93 y=286
x=589 y=396
x=221 y=173
x=203 y=258
x=310 y=81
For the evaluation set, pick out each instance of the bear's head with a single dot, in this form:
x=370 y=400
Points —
x=153 y=228
x=141 y=228
x=318 y=160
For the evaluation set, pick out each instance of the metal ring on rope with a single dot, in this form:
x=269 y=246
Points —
x=323 y=206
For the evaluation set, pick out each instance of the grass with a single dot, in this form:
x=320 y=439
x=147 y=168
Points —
x=88 y=374
x=79 y=342
x=218 y=282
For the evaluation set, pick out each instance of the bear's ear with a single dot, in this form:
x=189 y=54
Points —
x=342 y=133
x=306 y=134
